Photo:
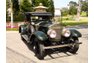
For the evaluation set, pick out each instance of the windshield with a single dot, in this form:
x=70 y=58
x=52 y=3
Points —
x=40 y=18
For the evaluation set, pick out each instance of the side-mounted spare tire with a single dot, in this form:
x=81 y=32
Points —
x=22 y=29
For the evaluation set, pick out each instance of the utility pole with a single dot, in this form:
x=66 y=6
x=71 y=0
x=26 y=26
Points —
x=11 y=14
x=78 y=10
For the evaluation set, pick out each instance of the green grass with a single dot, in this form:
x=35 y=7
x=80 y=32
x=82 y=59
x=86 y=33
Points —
x=84 y=14
x=73 y=23
x=83 y=20
x=11 y=29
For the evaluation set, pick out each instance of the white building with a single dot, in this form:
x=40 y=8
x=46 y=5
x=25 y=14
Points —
x=57 y=14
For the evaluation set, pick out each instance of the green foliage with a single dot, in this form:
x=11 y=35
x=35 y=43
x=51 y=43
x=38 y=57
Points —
x=8 y=18
x=36 y=2
x=68 y=18
x=84 y=6
x=64 y=11
x=83 y=14
x=51 y=6
x=18 y=17
x=26 y=6
x=7 y=4
x=72 y=3
x=15 y=6
x=73 y=10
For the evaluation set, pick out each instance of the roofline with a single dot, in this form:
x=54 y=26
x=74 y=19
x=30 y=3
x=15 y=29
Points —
x=39 y=13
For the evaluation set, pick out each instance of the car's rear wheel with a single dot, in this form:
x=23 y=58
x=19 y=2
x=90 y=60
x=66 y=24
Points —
x=39 y=51
x=74 y=48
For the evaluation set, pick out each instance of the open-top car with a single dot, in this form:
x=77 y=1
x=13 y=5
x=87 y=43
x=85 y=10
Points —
x=42 y=33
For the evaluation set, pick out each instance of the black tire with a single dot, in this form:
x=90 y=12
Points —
x=19 y=29
x=39 y=51
x=73 y=49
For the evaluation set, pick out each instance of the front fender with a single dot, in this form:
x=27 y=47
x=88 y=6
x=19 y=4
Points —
x=40 y=35
x=75 y=33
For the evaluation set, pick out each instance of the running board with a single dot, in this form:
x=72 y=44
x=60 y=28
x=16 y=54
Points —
x=58 y=46
x=25 y=37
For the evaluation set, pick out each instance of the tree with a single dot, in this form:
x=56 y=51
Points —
x=84 y=6
x=64 y=11
x=7 y=7
x=72 y=8
x=7 y=4
x=51 y=6
x=15 y=5
x=72 y=3
x=47 y=3
x=26 y=6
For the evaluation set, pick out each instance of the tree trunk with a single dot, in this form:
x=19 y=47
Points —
x=78 y=10
x=11 y=14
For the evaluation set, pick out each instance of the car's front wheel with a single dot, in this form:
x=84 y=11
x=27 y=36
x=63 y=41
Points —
x=39 y=51
x=74 y=48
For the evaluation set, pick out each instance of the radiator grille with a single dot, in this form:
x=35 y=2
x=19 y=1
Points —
x=58 y=29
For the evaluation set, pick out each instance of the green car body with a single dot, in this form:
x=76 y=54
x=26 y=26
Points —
x=42 y=34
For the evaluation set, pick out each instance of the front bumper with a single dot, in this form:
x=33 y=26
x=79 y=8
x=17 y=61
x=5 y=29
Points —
x=59 y=46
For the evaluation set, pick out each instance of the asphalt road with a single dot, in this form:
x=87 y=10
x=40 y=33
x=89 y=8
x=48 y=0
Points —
x=18 y=52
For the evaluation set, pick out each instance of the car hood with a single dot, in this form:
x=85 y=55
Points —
x=46 y=24
x=56 y=26
x=51 y=25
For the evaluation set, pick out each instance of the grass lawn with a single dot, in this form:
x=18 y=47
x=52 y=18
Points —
x=13 y=29
x=83 y=20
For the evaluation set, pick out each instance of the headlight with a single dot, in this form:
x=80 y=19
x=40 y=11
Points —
x=51 y=33
x=66 y=33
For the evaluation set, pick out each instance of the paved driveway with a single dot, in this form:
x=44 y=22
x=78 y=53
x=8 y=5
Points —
x=18 y=52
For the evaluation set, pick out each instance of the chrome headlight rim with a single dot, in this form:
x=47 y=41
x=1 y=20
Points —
x=52 y=33
x=66 y=32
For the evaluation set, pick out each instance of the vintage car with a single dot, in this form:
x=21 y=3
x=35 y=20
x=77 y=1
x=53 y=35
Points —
x=42 y=33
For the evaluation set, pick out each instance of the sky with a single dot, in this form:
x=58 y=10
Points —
x=62 y=3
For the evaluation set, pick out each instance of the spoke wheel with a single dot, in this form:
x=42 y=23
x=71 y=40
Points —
x=39 y=51
x=74 y=48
